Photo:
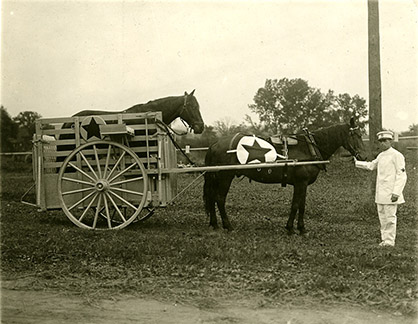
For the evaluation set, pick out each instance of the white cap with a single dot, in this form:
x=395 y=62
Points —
x=384 y=135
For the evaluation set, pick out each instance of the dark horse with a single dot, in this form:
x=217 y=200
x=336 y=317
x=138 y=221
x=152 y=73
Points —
x=326 y=140
x=186 y=107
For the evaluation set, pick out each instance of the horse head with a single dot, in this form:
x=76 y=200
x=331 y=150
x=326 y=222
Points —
x=353 y=142
x=190 y=113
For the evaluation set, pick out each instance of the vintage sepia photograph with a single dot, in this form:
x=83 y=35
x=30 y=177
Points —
x=197 y=161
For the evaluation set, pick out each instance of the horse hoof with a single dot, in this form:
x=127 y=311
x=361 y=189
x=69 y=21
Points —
x=290 y=232
x=303 y=232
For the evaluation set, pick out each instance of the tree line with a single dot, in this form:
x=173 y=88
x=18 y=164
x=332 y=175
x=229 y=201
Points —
x=17 y=132
x=286 y=106
x=283 y=106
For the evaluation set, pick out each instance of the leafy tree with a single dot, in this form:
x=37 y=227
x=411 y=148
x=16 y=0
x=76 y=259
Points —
x=225 y=127
x=205 y=139
x=412 y=131
x=26 y=120
x=346 y=106
x=208 y=137
x=26 y=123
x=286 y=106
x=255 y=128
x=8 y=131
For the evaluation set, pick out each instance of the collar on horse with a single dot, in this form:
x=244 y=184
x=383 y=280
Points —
x=313 y=148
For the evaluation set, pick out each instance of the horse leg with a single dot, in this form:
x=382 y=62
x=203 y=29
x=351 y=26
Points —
x=294 y=208
x=223 y=188
x=302 y=201
x=209 y=193
x=210 y=210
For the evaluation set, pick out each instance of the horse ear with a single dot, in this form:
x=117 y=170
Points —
x=352 y=122
x=191 y=93
x=185 y=93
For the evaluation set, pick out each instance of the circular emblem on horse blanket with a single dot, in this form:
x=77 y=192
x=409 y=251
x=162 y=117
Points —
x=90 y=127
x=251 y=149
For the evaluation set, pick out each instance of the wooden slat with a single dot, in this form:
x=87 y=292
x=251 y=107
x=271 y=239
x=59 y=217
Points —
x=143 y=126
x=55 y=153
x=59 y=131
x=49 y=164
x=142 y=149
x=109 y=117
x=56 y=120
x=62 y=142
x=140 y=138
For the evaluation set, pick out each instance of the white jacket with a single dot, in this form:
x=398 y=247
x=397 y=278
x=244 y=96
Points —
x=391 y=175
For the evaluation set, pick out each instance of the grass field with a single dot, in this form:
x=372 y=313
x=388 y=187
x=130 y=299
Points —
x=176 y=255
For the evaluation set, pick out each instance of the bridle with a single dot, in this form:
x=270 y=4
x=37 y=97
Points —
x=188 y=127
x=184 y=109
x=353 y=151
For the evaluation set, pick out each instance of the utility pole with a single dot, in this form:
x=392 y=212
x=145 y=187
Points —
x=375 y=84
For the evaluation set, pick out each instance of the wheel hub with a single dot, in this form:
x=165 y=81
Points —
x=102 y=185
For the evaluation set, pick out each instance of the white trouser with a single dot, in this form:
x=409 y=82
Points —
x=387 y=217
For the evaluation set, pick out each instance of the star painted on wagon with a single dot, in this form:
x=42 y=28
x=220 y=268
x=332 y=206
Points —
x=92 y=129
x=256 y=152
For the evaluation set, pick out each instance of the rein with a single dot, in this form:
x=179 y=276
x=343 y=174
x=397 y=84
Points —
x=168 y=131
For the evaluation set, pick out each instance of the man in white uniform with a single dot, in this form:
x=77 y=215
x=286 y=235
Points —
x=391 y=179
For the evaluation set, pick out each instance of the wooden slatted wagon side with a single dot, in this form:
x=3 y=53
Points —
x=103 y=171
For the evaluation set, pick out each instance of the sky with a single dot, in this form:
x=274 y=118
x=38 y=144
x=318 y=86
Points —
x=59 y=57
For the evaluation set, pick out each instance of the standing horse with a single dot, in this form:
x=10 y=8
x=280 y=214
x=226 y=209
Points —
x=186 y=107
x=326 y=140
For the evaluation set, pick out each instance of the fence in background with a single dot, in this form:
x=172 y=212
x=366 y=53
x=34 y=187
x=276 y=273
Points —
x=189 y=149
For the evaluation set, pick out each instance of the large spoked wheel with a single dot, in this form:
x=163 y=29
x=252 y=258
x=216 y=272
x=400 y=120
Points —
x=102 y=185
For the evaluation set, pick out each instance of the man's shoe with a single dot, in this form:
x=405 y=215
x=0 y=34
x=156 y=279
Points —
x=386 y=244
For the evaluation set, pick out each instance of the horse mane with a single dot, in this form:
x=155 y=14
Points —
x=154 y=104
x=162 y=100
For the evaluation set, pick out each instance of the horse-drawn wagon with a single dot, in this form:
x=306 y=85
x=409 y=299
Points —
x=106 y=170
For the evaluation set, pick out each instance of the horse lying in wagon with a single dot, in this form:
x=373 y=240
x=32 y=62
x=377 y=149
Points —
x=103 y=168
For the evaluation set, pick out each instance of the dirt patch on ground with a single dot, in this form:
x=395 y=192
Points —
x=38 y=307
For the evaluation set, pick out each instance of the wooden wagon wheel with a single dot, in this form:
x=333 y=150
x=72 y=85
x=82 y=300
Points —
x=102 y=185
